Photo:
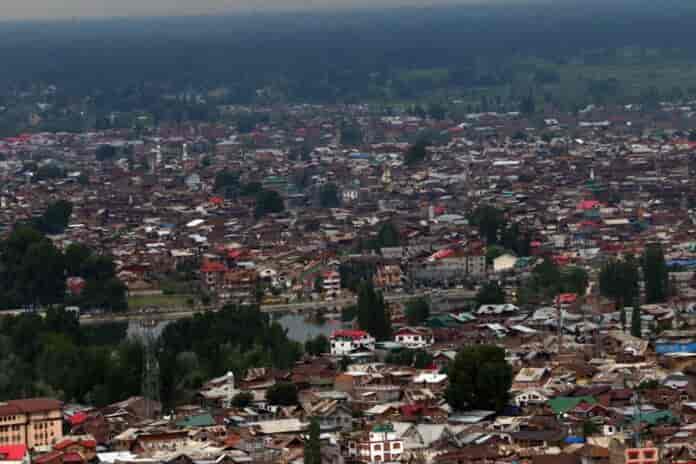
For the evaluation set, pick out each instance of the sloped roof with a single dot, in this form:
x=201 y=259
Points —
x=564 y=404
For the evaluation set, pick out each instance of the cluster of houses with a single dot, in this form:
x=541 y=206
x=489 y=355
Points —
x=585 y=188
x=583 y=192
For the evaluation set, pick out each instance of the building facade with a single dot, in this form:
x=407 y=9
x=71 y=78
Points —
x=380 y=445
x=344 y=342
x=33 y=422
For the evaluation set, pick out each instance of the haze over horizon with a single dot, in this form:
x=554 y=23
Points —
x=66 y=9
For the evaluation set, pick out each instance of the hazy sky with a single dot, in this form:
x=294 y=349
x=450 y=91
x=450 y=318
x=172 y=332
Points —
x=35 y=9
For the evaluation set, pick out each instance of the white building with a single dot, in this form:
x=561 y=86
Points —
x=331 y=282
x=381 y=445
x=344 y=342
x=530 y=396
x=414 y=337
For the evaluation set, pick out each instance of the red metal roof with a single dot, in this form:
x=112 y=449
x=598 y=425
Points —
x=12 y=452
x=355 y=334
x=213 y=267
x=77 y=418
x=588 y=204
x=66 y=443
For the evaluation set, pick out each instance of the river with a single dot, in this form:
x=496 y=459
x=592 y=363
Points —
x=299 y=328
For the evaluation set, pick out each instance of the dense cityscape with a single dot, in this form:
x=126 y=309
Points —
x=469 y=278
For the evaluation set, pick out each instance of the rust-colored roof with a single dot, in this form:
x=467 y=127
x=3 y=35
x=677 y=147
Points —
x=29 y=405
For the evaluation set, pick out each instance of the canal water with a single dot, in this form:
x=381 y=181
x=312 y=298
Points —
x=299 y=327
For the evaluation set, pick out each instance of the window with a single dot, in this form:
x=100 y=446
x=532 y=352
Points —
x=396 y=446
x=377 y=447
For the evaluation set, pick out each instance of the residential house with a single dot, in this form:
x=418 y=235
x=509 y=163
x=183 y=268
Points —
x=414 y=337
x=345 y=342
x=379 y=445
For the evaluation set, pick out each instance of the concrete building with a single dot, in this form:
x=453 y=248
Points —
x=344 y=342
x=33 y=422
x=381 y=445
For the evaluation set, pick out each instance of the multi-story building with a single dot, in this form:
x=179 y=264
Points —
x=380 y=445
x=33 y=422
x=331 y=282
x=388 y=277
x=414 y=337
x=345 y=342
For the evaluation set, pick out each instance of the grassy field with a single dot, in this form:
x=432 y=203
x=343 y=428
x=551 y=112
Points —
x=158 y=301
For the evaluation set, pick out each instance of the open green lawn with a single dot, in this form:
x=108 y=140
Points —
x=158 y=301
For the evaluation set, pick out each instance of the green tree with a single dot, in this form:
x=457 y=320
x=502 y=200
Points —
x=41 y=278
x=351 y=135
x=388 y=236
x=56 y=217
x=490 y=293
x=574 y=280
x=655 y=274
x=268 y=201
x=619 y=280
x=282 y=394
x=437 y=111
x=318 y=345
x=76 y=256
x=227 y=183
x=515 y=239
x=490 y=221
x=422 y=359
x=480 y=378
x=528 y=105
x=312 y=447
x=105 y=152
x=372 y=313
x=416 y=153
x=328 y=196
x=589 y=428
x=417 y=311
x=250 y=189
x=242 y=399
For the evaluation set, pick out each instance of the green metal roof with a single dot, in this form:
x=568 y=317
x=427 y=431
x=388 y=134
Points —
x=658 y=417
x=563 y=404
x=199 y=420
x=383 y=428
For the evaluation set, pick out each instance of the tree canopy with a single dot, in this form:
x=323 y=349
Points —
x=329 y=196
x=619 y=280
x=655 y=274
x=416 y=153
x=282 y=394
x=388 y=236
x=373 y=315
x=417 y=311
x=105 y=152
x=312 y=447
x=55 y=218
x=267 y=202
x=480 y=378
x=490 y=293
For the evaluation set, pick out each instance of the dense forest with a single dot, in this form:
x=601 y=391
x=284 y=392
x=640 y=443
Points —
x=550 y=48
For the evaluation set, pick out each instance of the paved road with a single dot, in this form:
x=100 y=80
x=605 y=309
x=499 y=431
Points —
x=180 y=313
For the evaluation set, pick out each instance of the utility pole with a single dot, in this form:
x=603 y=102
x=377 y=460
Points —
x=150 y=380
x=559 y=315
